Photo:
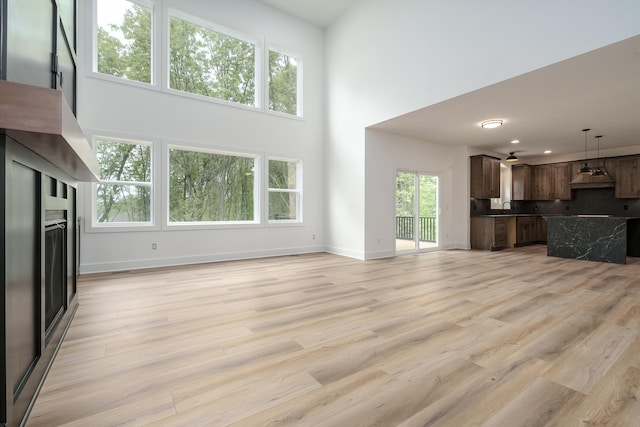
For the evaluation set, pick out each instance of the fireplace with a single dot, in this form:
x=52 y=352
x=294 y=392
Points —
x=55 y=274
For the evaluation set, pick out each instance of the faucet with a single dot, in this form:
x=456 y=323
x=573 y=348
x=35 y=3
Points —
x=504 y=203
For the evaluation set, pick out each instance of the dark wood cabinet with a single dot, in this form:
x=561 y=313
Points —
x=551 y=181
x=541 y=178
x=561 y=188
x=520 y=182
x=627 y=177
x=540 y=233
x=493 y=233
x=525 y=230
x=485 y=177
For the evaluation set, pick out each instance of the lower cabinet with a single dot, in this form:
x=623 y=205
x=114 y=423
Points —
x=525 y=227
x=500 y=232
x=492 y=233
x=540 y=232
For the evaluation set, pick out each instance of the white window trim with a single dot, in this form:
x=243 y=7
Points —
x=91 y=225
x=257 y=42
x=299 y=210
x=160 y=59
x=167 y=225
x=91 y=69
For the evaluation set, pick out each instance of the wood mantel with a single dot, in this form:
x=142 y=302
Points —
x=40 y=119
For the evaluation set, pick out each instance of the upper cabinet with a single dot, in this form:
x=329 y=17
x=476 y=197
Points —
x=485 y=177
x=541 y=182
x=520 y=182
x=628 y=177
x=561 y=188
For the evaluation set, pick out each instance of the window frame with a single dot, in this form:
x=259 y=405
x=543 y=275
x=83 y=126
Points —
x=199 y=225
x=91 y=200
x=299 y=81
x=298 y=191
x=160 y=48
x=155 y=65
x=257 y=42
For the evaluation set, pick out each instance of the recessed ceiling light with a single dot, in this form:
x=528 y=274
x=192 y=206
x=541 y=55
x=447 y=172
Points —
x=491 y=124
x=515 y=141
x=547 y=151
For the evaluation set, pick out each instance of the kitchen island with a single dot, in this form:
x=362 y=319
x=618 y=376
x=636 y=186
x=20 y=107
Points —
x=592 y=237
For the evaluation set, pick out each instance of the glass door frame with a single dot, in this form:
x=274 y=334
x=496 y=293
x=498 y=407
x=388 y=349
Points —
x=416 y=213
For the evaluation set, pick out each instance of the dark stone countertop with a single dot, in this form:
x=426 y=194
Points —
x=588 y=237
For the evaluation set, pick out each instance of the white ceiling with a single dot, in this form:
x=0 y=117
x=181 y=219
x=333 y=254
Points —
x=545 y=109
x=317 y=12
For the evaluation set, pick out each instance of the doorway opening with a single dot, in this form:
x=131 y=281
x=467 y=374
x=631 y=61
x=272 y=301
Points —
x=417 y=219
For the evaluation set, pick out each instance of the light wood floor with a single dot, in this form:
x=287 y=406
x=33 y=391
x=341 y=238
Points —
x=452 y=338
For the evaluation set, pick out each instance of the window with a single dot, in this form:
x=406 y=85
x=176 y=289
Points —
x=124 y=42
x=283 y=83
x=124 y=194
x=210 y=63
x=284 y=190
x=211 y=187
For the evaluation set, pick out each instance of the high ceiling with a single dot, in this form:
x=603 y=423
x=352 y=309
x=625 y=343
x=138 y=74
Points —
x=545 y=109
x=317 y=12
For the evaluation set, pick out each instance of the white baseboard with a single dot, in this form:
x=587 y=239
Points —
x=137 y=264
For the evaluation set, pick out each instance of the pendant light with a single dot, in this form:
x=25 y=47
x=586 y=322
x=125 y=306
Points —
x=598 y=171
x=511 y=157
x=585 y=170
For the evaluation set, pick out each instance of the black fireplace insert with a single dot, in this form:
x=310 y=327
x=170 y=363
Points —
x=55 y=274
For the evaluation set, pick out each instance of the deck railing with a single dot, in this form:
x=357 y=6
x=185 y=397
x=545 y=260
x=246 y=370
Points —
x=427 y=228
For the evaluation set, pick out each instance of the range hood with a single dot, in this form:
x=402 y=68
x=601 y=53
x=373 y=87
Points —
x=603 y=180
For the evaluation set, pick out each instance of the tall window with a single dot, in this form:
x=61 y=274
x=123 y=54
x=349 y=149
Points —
x=284 y=190
x=124 y=41
x=124 y=194
x=210 y=63
x=211 y=187
x=283 y=83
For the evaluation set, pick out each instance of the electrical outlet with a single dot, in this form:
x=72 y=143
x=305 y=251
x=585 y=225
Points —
x=154 y=246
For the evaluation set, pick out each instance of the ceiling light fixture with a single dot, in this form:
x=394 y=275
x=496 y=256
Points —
x=491 y=124
x=599 y=171
x=515 y=141
x=511 y=157
x=585 y=170
x=548 y=151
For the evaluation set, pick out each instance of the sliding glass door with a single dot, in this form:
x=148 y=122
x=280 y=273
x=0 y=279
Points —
x=417 y=221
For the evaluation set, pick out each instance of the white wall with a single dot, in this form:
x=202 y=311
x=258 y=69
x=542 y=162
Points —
x=388 y=58
x=107 y=107
x=385 y=155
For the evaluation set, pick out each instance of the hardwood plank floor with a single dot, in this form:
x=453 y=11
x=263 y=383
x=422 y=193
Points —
x=451 y=338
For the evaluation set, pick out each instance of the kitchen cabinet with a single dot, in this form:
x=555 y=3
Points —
x=520 y=182
x=493 y=233
x=551 y=181
x=628 y=177
x=485 y=177
x=525 y=230
x=540 y=231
